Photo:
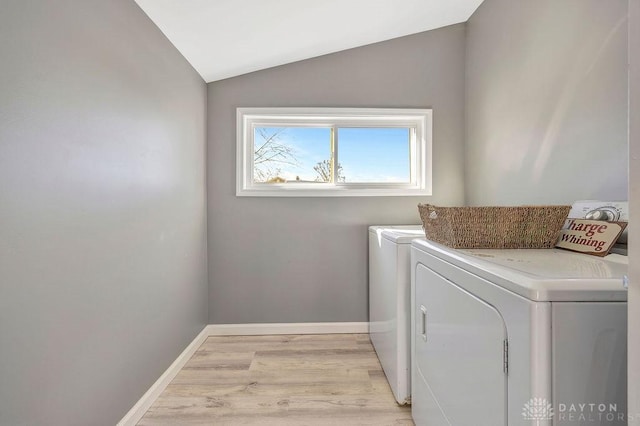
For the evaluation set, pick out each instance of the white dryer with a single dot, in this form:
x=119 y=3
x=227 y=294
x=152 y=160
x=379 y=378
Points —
x=517 y=337
x=389 y=302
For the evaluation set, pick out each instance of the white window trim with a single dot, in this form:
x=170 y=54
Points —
x=421 y=169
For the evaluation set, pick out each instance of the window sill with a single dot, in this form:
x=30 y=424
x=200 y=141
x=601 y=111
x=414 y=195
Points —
x=332 y=192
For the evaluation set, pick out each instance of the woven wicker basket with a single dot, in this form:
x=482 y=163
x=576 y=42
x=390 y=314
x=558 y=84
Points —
x=493 y=227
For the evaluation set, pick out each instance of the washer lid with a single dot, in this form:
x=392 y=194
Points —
x=399 y=234
x=542 y=274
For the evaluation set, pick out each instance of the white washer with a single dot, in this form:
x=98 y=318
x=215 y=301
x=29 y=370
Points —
x=508 y=337
x=389 y=302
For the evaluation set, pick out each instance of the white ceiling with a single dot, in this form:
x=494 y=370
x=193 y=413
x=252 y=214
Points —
x=226 y=38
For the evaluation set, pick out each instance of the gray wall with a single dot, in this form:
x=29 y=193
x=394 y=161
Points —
x=102 y=209
x=305 y=259
x=546 y=105
x=634 y=200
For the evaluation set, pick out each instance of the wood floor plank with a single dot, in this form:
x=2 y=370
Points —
x=280 y=380
x=225 y=360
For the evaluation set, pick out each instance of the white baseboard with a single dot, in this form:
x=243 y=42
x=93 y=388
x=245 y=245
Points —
x=137 y=411
x=293 y=328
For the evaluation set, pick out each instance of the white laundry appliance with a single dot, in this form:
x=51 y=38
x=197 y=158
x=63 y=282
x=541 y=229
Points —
x=517 y=337
x=389 y=302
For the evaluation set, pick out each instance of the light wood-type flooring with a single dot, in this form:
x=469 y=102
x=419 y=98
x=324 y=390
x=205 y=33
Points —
x=328 y=379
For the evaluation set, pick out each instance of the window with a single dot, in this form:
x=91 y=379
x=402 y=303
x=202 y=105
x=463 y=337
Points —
x=333 y=152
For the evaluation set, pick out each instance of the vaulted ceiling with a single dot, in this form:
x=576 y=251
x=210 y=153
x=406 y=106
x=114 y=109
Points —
x=226 y=38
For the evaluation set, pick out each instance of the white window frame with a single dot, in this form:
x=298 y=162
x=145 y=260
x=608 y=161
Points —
x=419 y=120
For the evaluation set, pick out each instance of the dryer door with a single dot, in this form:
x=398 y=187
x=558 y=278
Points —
x=459 y=351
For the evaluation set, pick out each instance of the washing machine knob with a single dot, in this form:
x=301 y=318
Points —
x=599 y=215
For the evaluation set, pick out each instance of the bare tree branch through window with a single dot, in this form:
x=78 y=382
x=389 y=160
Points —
x=270 y=152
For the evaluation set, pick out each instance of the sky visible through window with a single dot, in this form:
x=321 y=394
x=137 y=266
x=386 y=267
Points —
x=302 y=153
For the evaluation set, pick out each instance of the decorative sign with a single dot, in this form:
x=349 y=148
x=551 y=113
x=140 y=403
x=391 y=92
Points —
x=595 y=237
